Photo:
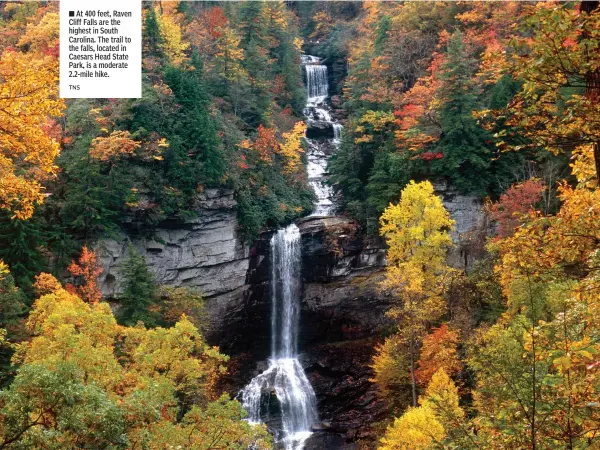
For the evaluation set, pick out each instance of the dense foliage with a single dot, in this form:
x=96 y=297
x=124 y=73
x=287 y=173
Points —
x=499 y=101
x=422 y=82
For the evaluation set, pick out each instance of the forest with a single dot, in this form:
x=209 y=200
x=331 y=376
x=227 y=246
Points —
x=396 y=204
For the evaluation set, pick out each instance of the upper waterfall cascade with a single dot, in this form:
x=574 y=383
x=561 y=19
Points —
x=285 y=376
x=318 y=110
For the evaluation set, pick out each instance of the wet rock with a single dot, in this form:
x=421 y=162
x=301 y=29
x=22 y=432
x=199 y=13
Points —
x=317 y=129
x=347 y=400
x=328 y=441
x=322 y=426
x=332 y=247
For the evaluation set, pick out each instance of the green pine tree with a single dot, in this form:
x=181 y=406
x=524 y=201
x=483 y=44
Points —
x=139 y=291
x=20 y=242
x=195 y=156
x=152 y=37
x=464 y=144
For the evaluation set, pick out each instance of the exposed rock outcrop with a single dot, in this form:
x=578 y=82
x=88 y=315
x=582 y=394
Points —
x=342 y=322
x=204 y=252
x=319 y=129
x=471 y=225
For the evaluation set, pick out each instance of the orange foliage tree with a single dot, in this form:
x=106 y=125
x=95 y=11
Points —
x=438 y=352
x=88 y=270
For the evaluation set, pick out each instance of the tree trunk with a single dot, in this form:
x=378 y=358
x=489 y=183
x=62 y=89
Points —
x=592 y=87
x=413 y=381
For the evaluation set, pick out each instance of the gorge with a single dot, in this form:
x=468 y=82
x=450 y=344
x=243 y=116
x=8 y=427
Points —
x=335 y=311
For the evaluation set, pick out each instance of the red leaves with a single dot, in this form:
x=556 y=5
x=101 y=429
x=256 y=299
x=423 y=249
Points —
x=515 y=203
x=428 y=156
x=215 y=20
x=438 y=352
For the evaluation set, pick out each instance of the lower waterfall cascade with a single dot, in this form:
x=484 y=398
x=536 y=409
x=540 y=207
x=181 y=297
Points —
x=285 y=377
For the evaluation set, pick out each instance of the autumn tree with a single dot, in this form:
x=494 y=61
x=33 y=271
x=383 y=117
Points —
x=171 y=41
x=417 y=233
x=28 y=100
x=431 y=424
x=515 y=204
x=558 y=106
x=291 y=149
x=87 y=270
x=438 y=352
x=390 y=372
x=86 y=382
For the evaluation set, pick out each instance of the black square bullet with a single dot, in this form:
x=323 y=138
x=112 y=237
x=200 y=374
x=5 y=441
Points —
x=71 y=13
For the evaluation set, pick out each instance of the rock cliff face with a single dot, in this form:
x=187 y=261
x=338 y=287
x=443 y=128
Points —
x=204 y=253
x=471 y=225
x=343 y=319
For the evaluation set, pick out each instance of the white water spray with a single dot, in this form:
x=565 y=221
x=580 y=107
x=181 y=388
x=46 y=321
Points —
x=285 y=376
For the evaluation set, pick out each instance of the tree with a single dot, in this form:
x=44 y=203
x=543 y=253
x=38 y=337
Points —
x=113 y=146
x=28 y=100
x=20 y=244
x=390 y=372
x=175 y=302
x=87 y=270
x=291 y=149
x=416 y=429
x=86 y=382
x=12 y=311
x=438 y=352
x=417 y=233
x=172 y=45
x=436 y=422
x=558 y=106
x=139 y=290
x=152 y=37
x=196 y=158
x=463 y=142
x=515 y=205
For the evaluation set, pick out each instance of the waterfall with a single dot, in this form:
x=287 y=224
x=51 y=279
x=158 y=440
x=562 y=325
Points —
x=337 y=132
x=285 y=376
x=318 y=110
x=316 y=84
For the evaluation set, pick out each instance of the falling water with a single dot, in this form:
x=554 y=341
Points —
x=318 y=110
x=285 y=376
x=337 y=132
x=316 y=84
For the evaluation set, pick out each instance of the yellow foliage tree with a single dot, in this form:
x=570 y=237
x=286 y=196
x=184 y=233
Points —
x=173 y=45
x=427 y=426
x=416 y=429
x=417 y=233
x=291 y=148
x=117 y=144
x=145 y=381
x=28 y=100
x=390 y=372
